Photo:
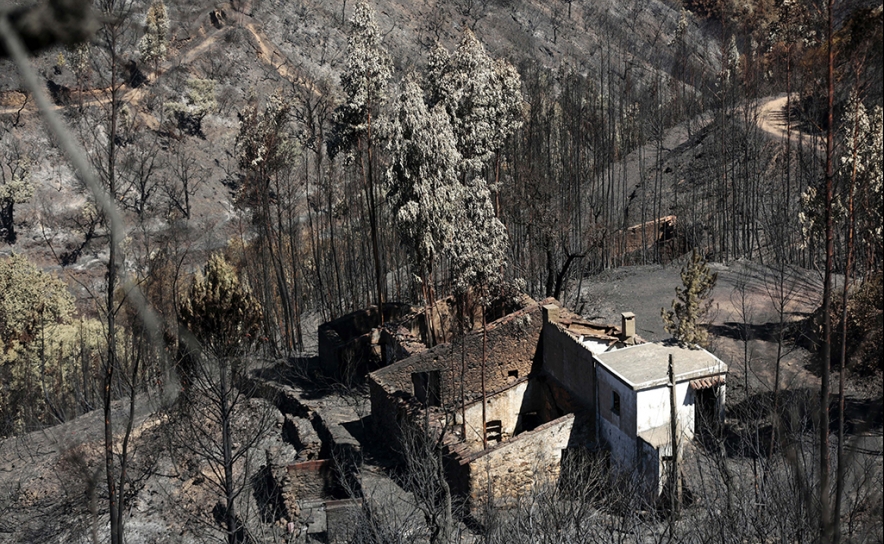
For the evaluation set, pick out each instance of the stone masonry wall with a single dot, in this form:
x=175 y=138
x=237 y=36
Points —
x=311 y=479
x=516 y=467
x=569 y=363
x=349 y=344
x=299 y=432
x=511 y=351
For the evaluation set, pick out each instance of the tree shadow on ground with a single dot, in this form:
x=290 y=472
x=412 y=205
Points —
x=768 y=332
x=750 y=424
x=304 y=373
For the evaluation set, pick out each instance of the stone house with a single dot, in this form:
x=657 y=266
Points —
x=552 y=382
x=360 y=342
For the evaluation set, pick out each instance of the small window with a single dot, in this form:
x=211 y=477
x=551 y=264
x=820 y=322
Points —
x=494 y=430
x=615 y=403
x=513 y=374
x=427 y=387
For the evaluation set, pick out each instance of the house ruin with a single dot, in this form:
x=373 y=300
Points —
x=360 y=342
x=551 y=383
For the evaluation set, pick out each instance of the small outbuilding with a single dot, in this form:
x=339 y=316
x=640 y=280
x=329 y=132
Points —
x=634 y=395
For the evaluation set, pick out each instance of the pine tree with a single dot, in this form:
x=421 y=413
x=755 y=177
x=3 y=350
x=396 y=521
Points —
x=267 y=149
x=691 y=303
x=221 y=314
x=154 y=44
x=862 y=168
x=224 y=321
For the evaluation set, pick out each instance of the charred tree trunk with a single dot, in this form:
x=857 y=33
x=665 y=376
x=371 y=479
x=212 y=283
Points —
x=227 y=453
x=825 y=520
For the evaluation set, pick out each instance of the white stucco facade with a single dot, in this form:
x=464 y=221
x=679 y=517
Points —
x=653 y=410
x=635 y=425
x=626 y=384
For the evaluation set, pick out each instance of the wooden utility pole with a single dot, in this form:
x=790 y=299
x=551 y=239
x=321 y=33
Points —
x=674 y=480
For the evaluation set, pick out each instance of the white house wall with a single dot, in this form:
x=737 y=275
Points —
x=652 y=408
x=639 y=412
x=618 y=432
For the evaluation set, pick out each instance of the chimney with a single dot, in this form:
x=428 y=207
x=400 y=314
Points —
x=550 y=313
x=627 y=327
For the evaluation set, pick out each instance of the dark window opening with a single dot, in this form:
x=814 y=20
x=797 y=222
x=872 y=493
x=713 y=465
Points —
x=615 y=403
x=705 y=410
x=427 y=387
x=513 y=374
x=529 y=422
x=494 y=430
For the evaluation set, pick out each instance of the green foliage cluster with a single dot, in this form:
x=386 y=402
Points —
x=154 y=43
x=860 y=175
x=42 y=351
x=266 y=146
x=223 y=316
x=18 y=187
x=199 y=99
x=440 y=145
x=31 y=300
x=481 y=95
x=691 y=303
x=422 y=176
x=364 y=80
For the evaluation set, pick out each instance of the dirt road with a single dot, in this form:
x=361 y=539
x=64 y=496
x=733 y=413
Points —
x=772 y=119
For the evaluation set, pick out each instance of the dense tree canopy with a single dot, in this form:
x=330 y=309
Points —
x=482 y=96
x=423 y=176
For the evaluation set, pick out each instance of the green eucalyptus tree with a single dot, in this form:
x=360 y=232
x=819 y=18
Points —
x=267 y=149
x=483 y=100
x=482 y=96
x=364 y=81
x=424 y=190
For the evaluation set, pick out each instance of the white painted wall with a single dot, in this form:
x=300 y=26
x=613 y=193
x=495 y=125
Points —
x=639 y=412
x=617 y=432
x=594 y=346
x=652 y=409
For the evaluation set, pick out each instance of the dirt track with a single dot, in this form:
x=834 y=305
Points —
x=772 y=119
x=267 y=52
